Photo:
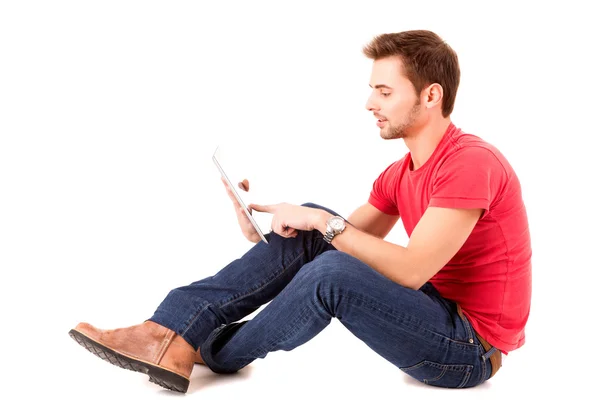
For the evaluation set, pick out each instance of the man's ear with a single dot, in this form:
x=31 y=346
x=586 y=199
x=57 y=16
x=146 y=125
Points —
x=433 y=95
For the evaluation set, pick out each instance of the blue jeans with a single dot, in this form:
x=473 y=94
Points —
x=309 y=283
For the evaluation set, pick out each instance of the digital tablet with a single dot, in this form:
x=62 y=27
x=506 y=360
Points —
x=238 y=197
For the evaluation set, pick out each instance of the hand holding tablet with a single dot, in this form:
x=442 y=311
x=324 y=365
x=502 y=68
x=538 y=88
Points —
x=248 y=224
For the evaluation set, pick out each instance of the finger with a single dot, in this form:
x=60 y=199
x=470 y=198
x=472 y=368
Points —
x=290 y=233
x=268 y=209
x=232 y=197
x=244 y=185
x=287 y=231
x=226 y=185
x=241 y=211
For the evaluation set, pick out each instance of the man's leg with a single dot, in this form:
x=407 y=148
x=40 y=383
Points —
x=163 y=346
x=416 y=330
x=239 y=289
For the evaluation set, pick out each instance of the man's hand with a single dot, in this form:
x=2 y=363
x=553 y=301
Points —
x=288 y=219
x=243 y=220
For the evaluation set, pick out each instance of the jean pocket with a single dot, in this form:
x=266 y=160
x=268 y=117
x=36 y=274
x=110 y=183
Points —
x=442 y=375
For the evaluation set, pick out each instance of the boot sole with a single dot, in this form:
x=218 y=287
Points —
x=162 y=377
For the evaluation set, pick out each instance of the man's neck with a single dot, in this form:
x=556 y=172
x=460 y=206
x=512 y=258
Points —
x=423 y=143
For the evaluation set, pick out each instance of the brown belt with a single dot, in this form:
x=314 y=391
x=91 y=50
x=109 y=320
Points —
x=496 y=357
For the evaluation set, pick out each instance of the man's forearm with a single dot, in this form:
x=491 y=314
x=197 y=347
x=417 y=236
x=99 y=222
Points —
x=390 y=260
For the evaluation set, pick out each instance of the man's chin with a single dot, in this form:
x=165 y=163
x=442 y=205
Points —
x=387 y=135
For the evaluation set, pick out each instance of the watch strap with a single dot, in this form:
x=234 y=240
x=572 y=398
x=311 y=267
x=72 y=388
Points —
x=329 y=235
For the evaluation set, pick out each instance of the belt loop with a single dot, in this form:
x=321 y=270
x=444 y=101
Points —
x=489 y=353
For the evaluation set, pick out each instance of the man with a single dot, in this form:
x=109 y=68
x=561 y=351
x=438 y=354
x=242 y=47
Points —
x=443 y=309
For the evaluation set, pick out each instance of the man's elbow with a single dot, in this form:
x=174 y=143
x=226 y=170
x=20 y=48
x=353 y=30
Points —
x=414 y=283
x=415 y=278
x=409 y=272
x=410 y=281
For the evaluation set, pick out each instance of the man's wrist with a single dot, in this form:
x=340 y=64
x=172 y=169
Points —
x=320 y=221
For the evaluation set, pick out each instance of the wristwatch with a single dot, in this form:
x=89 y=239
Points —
x=335 y=226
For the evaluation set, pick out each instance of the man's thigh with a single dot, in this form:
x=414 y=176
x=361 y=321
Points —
x=416 y=330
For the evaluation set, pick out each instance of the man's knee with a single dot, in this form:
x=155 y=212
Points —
x=328 y=266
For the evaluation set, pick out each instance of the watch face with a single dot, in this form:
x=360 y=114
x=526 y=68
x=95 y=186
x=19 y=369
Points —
x=337 y=223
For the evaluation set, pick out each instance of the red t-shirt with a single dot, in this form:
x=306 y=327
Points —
x=490 y=276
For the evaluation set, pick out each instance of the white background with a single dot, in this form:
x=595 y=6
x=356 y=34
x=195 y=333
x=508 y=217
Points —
x=110 y=112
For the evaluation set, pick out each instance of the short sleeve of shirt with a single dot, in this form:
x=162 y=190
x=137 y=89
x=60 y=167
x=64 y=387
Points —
x=469 y=178
x=382 y=194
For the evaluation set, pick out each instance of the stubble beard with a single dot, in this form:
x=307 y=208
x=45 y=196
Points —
x=401 y=130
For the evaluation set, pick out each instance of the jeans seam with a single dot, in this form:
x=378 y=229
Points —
x=437 y=378
x=484 y=360
x=444 y=368
x=465 y=379
x=189 y=325
x=483 y=366
x=468 y=328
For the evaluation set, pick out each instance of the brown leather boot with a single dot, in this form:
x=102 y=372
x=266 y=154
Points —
x=149 y=348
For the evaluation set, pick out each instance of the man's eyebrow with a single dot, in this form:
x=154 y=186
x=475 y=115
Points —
x=380 y=86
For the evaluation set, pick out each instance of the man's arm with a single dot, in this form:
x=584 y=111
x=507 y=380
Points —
x=438 y=236
x=369 y=219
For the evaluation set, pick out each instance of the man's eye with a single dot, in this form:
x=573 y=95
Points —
x=385 y=94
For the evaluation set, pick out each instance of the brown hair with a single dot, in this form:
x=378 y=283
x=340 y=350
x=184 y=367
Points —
x=426 y=57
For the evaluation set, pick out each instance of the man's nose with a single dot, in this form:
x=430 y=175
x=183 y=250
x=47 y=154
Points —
x=370 y=106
